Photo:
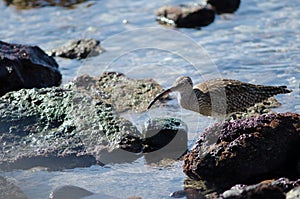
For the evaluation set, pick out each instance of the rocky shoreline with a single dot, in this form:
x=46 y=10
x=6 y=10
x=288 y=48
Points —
x=254 y=154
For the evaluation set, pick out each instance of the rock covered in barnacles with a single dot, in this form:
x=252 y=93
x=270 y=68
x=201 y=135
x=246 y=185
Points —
x=246 y=150
x=185 y=16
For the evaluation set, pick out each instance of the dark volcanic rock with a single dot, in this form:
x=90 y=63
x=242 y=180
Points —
x=164 y=139
x=79 y=49
x=23 y=66
x=69 y=192
x=225 y=6
x=26 y=4
x=185 y=16
x=246 y=150
x=10 y=190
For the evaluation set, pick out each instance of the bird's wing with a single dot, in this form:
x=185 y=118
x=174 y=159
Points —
x=238 y=95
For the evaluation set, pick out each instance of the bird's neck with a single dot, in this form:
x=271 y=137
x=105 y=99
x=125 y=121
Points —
x=188 y=100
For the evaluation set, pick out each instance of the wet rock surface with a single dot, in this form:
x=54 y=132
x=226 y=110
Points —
x=9 y=190
x=79 y=49
x=23 y=66
x=246 y=150
x=26 y=4
x=185 y=16
x=72 y=126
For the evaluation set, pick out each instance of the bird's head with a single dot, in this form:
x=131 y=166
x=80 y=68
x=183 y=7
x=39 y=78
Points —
x=181 y=84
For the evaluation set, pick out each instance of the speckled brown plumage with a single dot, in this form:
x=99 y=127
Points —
x=219 y=96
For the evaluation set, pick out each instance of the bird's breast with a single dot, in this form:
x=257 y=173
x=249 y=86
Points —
x=191 y=102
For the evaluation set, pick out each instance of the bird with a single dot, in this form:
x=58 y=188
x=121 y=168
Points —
x=219 y=96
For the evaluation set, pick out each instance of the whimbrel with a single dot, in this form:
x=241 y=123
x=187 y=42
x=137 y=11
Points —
x=219 y=96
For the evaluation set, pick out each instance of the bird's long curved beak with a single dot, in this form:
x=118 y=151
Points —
x=158 y=97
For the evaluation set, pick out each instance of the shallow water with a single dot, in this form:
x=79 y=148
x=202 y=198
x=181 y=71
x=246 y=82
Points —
x=260 y=44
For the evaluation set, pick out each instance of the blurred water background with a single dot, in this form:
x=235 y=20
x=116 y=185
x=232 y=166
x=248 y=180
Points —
x=260 y=44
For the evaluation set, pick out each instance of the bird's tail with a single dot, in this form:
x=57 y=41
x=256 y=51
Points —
x=274 y=90
x=284 y=89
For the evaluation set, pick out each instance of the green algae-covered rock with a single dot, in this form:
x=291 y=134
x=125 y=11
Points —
x=61 y=127
x=73 y=126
